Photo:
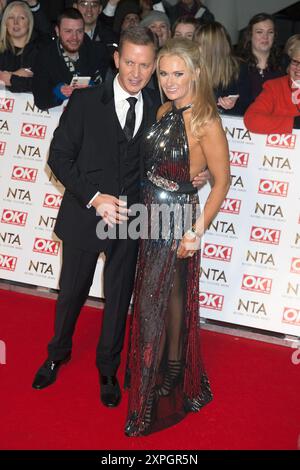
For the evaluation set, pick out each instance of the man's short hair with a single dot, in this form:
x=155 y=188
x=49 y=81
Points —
x=138 y=35
x=70 y=14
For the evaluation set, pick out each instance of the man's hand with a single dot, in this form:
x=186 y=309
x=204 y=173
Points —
x=201 y=179
x=113 y=2
x=2 y=5
x=112 y=210
x=32 y=3
x=67 y=90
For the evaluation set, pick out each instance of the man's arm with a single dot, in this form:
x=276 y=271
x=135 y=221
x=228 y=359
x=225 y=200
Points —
x=65 y=148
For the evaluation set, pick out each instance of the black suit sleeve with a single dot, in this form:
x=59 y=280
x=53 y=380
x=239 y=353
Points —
x=65 y=148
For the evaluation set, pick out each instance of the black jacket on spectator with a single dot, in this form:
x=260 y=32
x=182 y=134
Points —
x=180 y=9
x=11 y=62
x=51 y=69
x=241 y=87
x=103 y=33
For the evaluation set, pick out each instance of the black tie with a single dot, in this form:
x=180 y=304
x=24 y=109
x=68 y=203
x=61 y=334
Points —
x=130 y=118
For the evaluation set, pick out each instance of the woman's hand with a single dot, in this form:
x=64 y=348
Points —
x=227 y=102
x=25 y=73
x=5 y=78
x=189 y=244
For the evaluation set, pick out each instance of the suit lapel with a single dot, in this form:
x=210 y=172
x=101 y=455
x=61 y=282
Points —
x=110 y=117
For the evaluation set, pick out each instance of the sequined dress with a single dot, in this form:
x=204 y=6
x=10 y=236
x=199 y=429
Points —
x=165 y=374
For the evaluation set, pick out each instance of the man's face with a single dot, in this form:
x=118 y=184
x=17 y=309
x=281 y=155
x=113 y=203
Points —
x=71 y=34
x=136 y=64
x=90 y=10
x=162 y=30
x=130 y=20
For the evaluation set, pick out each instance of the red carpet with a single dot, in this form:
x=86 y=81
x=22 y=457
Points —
x=255 y=385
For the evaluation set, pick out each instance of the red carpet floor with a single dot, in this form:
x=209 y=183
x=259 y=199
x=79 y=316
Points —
x=255 y=385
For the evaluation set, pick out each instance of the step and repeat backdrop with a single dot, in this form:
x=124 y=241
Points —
x=250 y=270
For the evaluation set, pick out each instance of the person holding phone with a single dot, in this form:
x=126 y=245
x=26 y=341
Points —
x=231 y=90
x=72 y=54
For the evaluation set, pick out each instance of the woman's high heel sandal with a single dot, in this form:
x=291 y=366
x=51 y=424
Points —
x=171 y=378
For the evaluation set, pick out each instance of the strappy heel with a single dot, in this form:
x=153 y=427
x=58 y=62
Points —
x=171 y=378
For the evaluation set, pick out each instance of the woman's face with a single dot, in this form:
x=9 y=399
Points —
x=17 y=23
x=175 y=79
x=184 y=30
x=262 y=36
x=294 y=67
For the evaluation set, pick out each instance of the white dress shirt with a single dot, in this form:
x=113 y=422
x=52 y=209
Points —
x=121 y=107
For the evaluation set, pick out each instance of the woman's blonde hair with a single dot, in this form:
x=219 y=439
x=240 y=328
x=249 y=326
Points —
x=292 y=45
x=216 y=50
x=5 y=40
x=204 y=105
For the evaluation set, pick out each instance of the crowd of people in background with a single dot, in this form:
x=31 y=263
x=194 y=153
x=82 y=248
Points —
x=43 y=45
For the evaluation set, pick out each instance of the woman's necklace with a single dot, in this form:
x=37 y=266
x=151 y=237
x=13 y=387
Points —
x=261 y=72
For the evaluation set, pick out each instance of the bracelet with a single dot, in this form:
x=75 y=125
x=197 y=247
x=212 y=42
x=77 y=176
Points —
x=191 y=233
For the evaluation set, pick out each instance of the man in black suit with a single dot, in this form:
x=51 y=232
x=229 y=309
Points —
x=95 y=153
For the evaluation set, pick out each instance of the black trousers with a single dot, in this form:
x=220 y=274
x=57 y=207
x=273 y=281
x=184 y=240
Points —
x=78 y=268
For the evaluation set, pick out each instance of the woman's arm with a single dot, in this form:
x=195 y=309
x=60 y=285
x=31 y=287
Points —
x=215 y=149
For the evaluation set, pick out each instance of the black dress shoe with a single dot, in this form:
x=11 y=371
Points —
x=46 y=374
x=110 y=390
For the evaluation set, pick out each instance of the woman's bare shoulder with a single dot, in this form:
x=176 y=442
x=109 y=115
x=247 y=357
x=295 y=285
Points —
x=163 y=109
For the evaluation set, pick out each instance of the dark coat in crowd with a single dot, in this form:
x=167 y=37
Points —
x=11 y=62
x=51 y=71
x=202 y=13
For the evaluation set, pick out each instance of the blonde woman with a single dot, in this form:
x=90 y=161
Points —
x=166 y=376
x=229 y=87
x=17 y=50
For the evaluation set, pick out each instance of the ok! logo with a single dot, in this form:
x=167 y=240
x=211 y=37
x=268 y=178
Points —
x=273 y=187
x=259 y=284
x=285 y=141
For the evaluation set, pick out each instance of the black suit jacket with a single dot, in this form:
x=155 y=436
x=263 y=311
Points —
x=84 y=156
